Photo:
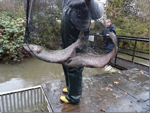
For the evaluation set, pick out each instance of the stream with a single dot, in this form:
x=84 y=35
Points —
x=33 y=72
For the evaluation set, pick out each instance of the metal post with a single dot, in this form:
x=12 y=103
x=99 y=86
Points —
x=134 y=49
x=24 y=98
x=38 y=96
x=41 y=95
x=14 y=102
x=6 y=99
x=17 y=100
x=28 y=98
x=34 y=97
x=21 y=100
x=117 y=53
x=31 y=98
x=2 y=104
x=10 y=101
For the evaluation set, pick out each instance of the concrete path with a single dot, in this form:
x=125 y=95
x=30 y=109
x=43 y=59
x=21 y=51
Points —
x=123 y=91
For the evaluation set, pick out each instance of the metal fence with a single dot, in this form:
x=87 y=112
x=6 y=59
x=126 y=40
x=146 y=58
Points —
x=24 y=100
x=133 y=52
x=135 y=39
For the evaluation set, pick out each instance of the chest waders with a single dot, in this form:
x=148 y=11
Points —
x=76 y=16
x=73 y=75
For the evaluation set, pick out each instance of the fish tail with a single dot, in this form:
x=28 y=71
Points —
x=115 y=49
x=82 y=40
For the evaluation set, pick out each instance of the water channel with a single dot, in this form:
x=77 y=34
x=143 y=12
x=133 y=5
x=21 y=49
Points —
x=33 y=72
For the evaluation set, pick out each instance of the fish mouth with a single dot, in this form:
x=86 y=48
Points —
x=24 y=46
x=27 y=47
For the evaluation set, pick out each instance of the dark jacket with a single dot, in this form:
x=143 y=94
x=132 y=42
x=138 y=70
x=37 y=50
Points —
x=110 y=28
x=81 y=13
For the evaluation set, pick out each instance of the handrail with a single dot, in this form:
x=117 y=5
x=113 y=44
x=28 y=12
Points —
x=132 y=51
x=145 y=39
x=133 y=38
x=136 y=50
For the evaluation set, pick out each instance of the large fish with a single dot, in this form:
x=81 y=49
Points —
x=93 y=61
x=54 y=56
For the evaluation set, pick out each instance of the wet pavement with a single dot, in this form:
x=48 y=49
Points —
x=122 y=91
x=127 y=64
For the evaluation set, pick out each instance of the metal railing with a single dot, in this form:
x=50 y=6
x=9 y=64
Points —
x=98 y=45
x=24 y=100
x=134 y=48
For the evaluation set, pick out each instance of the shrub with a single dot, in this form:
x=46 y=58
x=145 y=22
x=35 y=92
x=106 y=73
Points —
x=11 y=38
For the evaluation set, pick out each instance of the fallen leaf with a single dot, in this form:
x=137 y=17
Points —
x=107 y=88
x=117 y=96
x=119 y=72
x=141 y=72
x=102 y=88
x=110 y=85
x=120 y=91
x=136 y=111
x=131 y=79
x=103 y=110
x=127 y=74
x=132 y=101
x=126 y=93
x=115 y=82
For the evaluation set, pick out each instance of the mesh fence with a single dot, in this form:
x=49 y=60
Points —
x=44 y=25
x=44 y=29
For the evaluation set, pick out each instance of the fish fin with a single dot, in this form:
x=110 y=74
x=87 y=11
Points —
x=68 y=61
x=73 y=53
x=81 y=34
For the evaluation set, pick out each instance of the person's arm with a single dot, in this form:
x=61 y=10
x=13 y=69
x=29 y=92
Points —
x=95 y=9
x=100 y=34
x=114 y=30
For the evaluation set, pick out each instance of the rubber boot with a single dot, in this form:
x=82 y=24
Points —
x=65 y=90
x=75 y=84
x=63 y=99
x=73 y=76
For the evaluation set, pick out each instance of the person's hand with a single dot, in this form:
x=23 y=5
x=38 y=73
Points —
x=107 y=34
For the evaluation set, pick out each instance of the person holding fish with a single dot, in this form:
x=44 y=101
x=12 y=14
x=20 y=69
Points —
x=76 y=17
x=105 y=33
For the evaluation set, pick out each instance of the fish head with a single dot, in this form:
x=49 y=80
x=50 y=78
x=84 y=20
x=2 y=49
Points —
x=32 y=47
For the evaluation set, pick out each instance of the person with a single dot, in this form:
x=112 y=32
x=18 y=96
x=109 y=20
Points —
x=105 y=33
x=76 y=17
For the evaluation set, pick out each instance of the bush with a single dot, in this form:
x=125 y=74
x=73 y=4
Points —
x=131 y=19
x=12 y=30
x=11 y=38
x=15 y=7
